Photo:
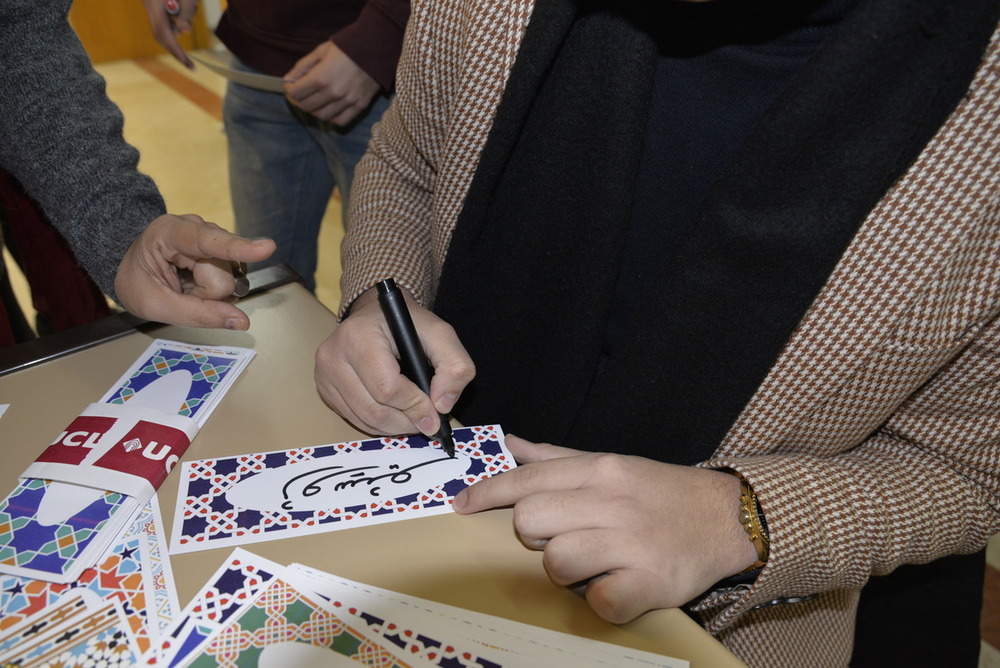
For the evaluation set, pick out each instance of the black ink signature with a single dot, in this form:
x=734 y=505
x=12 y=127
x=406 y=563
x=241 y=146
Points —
x=356 y=477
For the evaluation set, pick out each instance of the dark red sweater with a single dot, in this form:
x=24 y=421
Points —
x=271 y=36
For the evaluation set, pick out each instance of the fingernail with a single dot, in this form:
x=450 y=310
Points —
x=458 y=503
x=234 y=323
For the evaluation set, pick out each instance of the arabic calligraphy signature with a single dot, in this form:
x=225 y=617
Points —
x=348 y=478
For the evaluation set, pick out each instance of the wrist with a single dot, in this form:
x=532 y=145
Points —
x=733 y=553
x=368 y=298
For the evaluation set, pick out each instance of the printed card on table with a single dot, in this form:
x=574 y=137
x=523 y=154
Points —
x=447 y=636
x=53 y=530
x=283 y=626
x=134 y=575
x=161 y=594
x=417 y=636
x=269 y=495
x=21 y=632
x=207 y=372
x=234 y=583
x=99 y=637
x=253 y=611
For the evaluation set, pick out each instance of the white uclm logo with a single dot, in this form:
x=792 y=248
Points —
x=133 y=444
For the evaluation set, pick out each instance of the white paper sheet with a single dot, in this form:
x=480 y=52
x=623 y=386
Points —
x=223 y=68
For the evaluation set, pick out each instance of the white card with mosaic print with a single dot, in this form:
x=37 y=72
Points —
x=93 y=638
x=161 y=594
x=234 y=583
x=417 y=636
x=249 y=498
x=453 y=636
x=22 y=629
x=283 y=626
x=207 y=373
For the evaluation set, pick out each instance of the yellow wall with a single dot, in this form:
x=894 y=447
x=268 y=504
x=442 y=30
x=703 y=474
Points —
x=119 y=29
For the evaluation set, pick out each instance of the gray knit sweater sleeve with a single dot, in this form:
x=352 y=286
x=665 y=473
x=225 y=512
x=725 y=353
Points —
x=61 y=137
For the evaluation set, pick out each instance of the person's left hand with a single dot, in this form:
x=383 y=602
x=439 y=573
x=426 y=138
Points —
x=329 y=85
x=178 y=272
x=641 y=534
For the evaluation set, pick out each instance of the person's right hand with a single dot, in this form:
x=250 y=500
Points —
x=166 y=27
x=357 y=372
x=329 y=85
x=179 y=271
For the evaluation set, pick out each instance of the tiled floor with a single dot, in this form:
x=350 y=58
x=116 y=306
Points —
x=173 y=116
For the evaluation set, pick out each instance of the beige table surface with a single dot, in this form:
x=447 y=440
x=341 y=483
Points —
x=474 y=562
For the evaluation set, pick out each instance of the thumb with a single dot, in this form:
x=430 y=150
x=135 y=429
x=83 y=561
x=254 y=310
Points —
x=192 y=311
x=302 y=67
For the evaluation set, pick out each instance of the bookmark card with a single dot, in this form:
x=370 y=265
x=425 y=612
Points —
x=33 y=547
x=485 y=640
x=161 y=592
x=283 y=626
x=232 y=619
x=210 y=371
x=118 y=576
x=67 y=608
x=54 y=529
x=416 y=636
x=235 y=583
x=98 y=638
x=263 y=496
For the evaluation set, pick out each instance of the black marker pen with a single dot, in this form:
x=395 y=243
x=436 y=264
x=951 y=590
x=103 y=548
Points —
x=412 y=359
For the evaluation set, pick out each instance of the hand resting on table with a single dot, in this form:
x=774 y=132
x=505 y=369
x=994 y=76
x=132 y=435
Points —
x=641 y=534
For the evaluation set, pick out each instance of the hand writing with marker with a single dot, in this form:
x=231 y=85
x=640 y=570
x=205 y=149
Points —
x=358 y=375
x=639 y=534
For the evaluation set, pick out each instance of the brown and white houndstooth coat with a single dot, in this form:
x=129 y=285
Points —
x=873 y=441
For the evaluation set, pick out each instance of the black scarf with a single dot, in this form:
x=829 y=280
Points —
x=530 y=275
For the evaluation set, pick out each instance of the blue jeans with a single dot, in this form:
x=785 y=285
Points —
x=283 y=166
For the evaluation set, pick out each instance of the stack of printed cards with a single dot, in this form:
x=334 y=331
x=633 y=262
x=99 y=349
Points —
x=113 y=614
x=54 y=530
x=256 y=612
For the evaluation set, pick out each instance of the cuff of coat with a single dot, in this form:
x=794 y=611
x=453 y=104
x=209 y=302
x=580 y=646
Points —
x=785 y=578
